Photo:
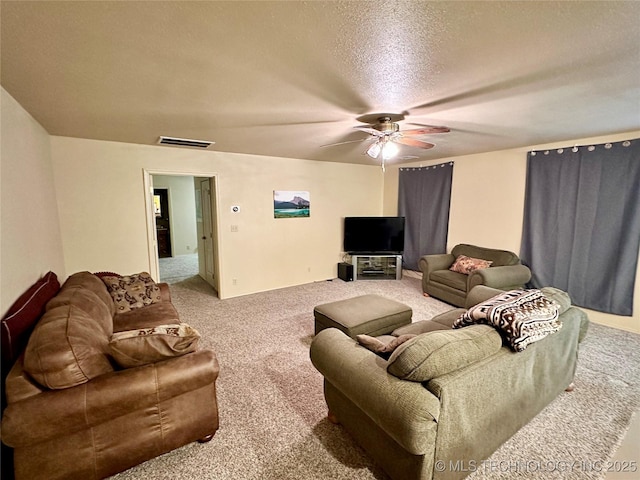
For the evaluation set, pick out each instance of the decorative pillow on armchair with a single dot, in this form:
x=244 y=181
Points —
x=133 y=348
x=132 y=291
x=466 y=265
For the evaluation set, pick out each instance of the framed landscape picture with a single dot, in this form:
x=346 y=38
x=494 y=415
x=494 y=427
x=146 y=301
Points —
x=290 y=204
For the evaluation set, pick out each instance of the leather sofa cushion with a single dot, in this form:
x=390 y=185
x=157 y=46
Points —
x=161 y=313
x=90 y=282
x=134 y=348
x=87 y=301
x=437 y=353
x=67 y=348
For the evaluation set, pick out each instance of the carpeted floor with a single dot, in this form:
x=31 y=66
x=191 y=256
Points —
x=273 y=417
x=179 y=268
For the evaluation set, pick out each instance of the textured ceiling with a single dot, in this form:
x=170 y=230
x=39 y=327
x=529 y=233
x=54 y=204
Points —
x=286 y=78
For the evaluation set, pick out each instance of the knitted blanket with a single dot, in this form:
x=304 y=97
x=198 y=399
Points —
x=522 y=316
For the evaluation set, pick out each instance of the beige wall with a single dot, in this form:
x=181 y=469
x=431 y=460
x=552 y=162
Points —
x=182 y=208
x=99 y=221
x=30 y=240
x=102 y=210
x=487 y=203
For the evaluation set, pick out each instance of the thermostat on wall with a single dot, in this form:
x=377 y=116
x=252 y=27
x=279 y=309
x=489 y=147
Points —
x=235 y=208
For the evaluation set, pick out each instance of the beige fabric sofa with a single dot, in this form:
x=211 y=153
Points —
x=505 y=273
x=74 y=413
x=480 y=393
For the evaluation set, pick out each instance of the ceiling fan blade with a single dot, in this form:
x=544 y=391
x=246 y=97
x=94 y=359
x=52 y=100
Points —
x=342 y=143
x=412 y=142
x=426 y=130
x=369 y=130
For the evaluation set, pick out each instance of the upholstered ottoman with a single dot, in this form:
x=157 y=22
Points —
x=367 y=314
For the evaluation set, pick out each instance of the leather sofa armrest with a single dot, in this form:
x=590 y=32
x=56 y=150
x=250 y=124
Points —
x=58 y=412
x=499 y=277
x=165 y=293
x=405 y=410
x=19 y=384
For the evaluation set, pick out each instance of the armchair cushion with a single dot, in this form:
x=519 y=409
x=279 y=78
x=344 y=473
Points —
x=437 y=353
x=452 y=279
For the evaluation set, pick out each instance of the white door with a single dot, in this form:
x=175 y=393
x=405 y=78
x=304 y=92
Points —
x=207 y=270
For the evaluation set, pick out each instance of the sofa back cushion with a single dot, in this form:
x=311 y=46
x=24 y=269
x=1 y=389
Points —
x=93 y=283
x=437 y=353
x=87 y=301
x=498 y=258
x=68 y=347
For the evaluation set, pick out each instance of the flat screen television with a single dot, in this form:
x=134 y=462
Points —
x=368 y=235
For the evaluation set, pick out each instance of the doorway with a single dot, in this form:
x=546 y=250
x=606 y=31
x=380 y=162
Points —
x=182 y=226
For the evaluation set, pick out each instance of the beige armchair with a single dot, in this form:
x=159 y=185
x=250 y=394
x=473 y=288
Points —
x=505 y=273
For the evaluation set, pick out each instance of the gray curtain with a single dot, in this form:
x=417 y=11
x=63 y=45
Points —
x=581 y=228
x=424 y=196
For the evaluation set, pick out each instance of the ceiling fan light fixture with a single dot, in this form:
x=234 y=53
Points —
x=374 y=149
x=389 y=150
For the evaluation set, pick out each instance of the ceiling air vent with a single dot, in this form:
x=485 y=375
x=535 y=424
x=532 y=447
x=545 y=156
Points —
x=184 y=142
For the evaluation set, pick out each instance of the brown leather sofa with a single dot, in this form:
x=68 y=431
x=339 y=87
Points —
x=73 y=412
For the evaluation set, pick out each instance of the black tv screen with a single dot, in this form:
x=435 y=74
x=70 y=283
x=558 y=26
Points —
x=374 y=235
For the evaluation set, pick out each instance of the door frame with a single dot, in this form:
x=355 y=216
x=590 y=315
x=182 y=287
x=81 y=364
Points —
x=152 y=241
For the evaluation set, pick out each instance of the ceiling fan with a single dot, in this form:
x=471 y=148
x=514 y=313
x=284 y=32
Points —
x=387 y=134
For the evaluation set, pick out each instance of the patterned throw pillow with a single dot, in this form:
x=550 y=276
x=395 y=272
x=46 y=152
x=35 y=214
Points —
x=523 y=316
x=132 y=291
x=466 y=265
x=133 y=348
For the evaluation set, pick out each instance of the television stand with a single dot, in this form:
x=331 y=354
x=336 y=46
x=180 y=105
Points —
x=377 y=267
